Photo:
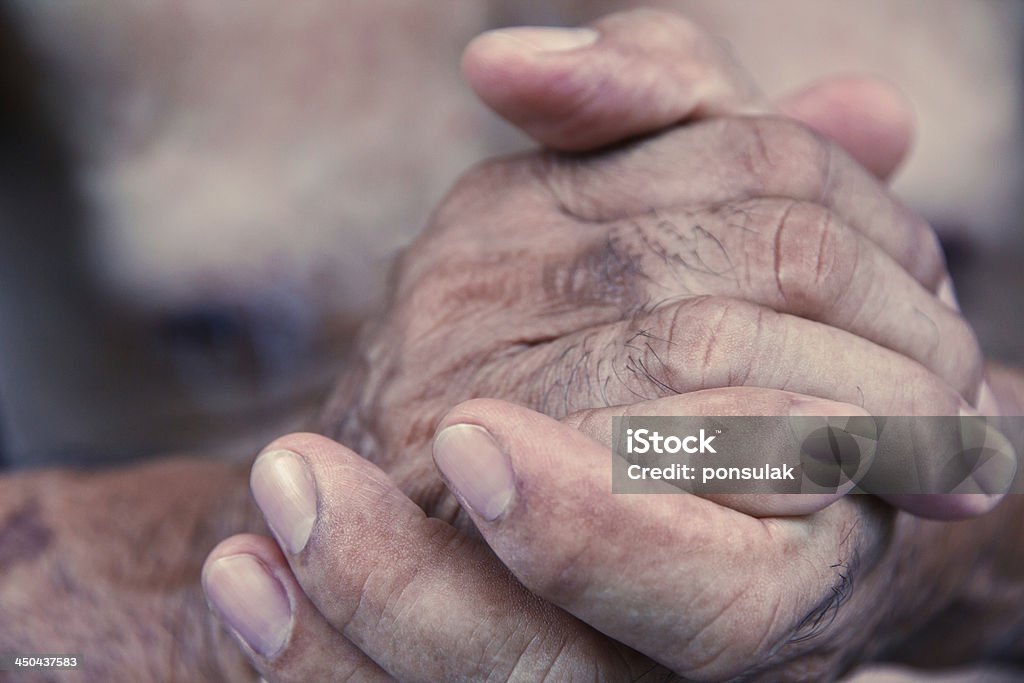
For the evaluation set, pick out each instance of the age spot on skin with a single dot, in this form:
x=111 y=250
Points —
x=603 y=273
x=23 y=536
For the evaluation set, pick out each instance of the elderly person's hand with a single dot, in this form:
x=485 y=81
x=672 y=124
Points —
x=564 y=282
x=730 y=252
x=734 y=252
x=587 y=585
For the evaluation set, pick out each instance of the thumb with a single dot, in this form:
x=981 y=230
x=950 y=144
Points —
x=634 y=73
x=635 y=567
x=627 y=74
x=868 y=117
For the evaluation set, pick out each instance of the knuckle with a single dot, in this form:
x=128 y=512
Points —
x=813 y=257
x=713 y=341
x=780 y=156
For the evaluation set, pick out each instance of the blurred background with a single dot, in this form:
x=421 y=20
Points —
x=199 y=201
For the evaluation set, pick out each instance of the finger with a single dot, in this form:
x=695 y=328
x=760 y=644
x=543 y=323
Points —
x=731 y=159
x=680 y=563
x=968 y=456
x=911 y=463
x=799 y=258
x=710 y=343
x=425 y=602
x=627 y=74
x=640 y=71
x=868 y=117
x=253 y=592
x=739 y=401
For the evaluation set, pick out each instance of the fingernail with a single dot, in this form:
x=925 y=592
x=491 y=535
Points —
x=947 y=293
x=251 y=601
x=548 y=39
x=992 y=457
x=476 y=469
x=988 y=404
x=285 y=491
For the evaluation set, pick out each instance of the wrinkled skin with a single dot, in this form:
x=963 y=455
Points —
x=164 y=601
x=380 y=590
x=566 y=283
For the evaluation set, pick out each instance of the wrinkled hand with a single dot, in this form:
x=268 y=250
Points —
x=568 y=283
x=730 y=252
x=586 y=585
